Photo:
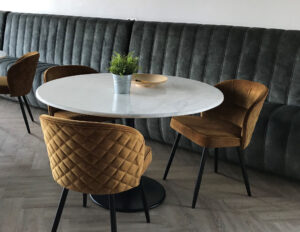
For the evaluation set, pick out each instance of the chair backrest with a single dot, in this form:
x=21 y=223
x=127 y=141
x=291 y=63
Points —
x=57 y=72
x=92 y=157
x=243 y=101
x=21 y=74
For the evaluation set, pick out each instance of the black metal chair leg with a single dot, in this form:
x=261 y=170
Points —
x=198 y=183
x=60 y=209
x=174 y=148
x=112 y=207
x=28 y=108
x=145 y=203
x=84 y=200
x=24 y=114
x=216 y=159
x=244 y=171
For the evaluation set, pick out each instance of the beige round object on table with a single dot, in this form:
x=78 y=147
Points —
x=148 y=80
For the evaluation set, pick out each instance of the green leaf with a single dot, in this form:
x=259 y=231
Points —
x=123 y=64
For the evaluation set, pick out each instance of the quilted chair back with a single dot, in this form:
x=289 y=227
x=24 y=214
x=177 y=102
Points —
x=243 y=101
x=92 y=157
x=20 y=75
x=57 y=72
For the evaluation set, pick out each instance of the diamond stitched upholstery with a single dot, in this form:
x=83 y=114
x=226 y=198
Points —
x=92 y=157
x=230 y=124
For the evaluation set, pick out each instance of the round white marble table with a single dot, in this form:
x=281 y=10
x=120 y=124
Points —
x=2 y=54
x=93 y=94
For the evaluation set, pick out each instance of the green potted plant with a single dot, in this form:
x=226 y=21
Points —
x=122 y=67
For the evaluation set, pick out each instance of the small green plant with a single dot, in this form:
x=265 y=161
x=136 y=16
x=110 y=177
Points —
x=123 y=64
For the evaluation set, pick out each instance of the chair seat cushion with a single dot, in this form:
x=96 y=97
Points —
x=81 y=117
x=148 y=158
x=4 y=85
x=207 y=132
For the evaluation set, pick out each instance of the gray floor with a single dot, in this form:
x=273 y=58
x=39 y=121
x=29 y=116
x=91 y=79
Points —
x=29 y=196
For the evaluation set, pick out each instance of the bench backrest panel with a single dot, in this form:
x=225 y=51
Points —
x=67 y=40
x=215 y=53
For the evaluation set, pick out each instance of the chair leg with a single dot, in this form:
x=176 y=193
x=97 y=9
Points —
x=244 y=171
x=216 y=159
x=198 y=183
x=24 y=114
x=145 y=203
x=84 y=200
x=60 y=209
x=112 y=207
x=178 y=136
x=28 y=108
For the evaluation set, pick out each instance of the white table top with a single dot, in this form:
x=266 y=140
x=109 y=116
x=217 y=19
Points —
x=93 y=94
x=2 y=54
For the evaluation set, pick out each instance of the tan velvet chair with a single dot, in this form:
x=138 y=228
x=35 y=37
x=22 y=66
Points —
x=229 y=125
x=18 y=81
x=95 y=158
x=57 y=72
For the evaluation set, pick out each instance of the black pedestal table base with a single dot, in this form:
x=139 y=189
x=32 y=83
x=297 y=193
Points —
x=131 y=200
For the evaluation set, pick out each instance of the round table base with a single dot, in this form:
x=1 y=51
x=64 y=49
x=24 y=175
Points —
x=131 y=200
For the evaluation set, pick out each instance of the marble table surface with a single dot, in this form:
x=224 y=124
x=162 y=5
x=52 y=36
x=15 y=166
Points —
x=93 y=94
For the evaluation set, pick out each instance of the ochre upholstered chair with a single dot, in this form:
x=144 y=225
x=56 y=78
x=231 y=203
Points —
x=18 y=81
x=95 y=158
x=229 y=125
x=57 y=72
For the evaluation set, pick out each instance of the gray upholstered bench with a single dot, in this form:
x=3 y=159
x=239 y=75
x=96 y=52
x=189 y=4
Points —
x=206 y=53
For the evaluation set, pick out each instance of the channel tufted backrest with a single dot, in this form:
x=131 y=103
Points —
x=216 y=53
x=91 y=157
x=66 y=40
x=243 y=101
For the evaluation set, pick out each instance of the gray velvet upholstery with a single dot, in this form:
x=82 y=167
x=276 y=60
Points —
x=63 y=40
x=66 y=40
x=216 y=53
x=202 y=52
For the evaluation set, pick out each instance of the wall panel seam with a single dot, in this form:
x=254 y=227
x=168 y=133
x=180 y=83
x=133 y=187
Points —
x=258 y=55
x=274 y=65
x=290 y=80
x=207 y=54
x=225 y=53
x=193 y=52
x=241 y=54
